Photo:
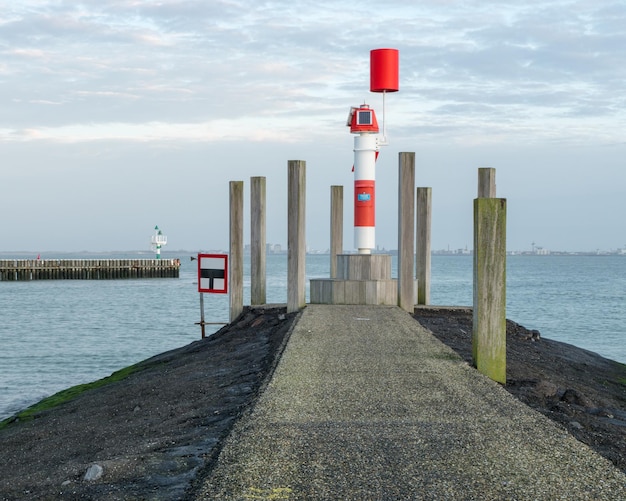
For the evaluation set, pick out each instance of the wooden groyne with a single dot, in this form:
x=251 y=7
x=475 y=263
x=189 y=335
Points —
x=87 y=269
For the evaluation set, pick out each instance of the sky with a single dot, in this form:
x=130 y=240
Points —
x=119 y=115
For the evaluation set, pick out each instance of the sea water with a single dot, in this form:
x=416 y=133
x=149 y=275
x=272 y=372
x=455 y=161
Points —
x=59 y=333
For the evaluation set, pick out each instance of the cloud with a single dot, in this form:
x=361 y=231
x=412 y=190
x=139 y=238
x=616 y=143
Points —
x=89 y=86
x=182 y=62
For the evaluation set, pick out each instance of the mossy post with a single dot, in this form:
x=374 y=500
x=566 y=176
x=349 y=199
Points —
x=296 y=243
x=336 y=227
x=257 y=241
x=235 y=261
x=489 y=315
x=406 y=231
x=422 y=244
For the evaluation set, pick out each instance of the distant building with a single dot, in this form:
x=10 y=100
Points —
x=274 y=249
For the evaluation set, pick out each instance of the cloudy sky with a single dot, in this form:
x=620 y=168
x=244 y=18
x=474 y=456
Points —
x=118 y=115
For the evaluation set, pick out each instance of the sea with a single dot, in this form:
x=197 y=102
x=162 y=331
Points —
x=59 y=333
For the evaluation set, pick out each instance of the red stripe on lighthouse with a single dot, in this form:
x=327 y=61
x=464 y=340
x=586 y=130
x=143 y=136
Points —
x=364 y=203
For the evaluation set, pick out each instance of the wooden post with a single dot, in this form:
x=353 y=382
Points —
x=422 y=245
x=257 y=241
x=406 y=236
x=486 y=182
x=235 y=261
x=336 y=227
x=296 y=243
x=489 y=314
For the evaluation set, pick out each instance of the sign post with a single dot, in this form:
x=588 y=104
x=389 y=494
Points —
x=212 y=278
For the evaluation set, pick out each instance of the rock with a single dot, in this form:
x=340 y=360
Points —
x=532 y=335
x=574 y=397
x=257 y=322
x=94 y=472
x=546 y=389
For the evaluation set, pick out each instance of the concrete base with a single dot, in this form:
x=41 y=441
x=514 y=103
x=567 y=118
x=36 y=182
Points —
x=364 y=266
x=337 y=291
x=361 y=279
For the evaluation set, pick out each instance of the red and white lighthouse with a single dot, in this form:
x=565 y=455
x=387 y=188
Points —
x=362 y=121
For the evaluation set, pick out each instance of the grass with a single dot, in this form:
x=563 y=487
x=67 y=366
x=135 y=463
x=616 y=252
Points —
x=67 y=395
x=447 y=356
x=621 y=380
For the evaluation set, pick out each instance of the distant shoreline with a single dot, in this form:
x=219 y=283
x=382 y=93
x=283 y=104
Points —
x=393 y=252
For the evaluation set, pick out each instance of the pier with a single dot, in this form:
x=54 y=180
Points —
x=87 y=269
x=366 y=404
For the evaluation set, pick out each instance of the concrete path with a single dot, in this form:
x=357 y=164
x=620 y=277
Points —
x=365 y=404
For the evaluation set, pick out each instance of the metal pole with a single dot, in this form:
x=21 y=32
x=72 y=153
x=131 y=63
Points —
x=486 y=182
x=202 y=313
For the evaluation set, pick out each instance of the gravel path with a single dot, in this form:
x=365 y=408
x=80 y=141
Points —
x=367 y=404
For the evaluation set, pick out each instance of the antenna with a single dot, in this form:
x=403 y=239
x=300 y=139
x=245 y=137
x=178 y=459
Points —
x=384 y=140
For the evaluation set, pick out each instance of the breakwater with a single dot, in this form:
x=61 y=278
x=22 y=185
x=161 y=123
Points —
x=87 y=269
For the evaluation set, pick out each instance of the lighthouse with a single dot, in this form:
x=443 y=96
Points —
x=158 y=240
x=362 y=121
x=364 y=277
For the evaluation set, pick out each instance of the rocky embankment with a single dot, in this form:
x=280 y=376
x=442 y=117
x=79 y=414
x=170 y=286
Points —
x=579 y=389
x=156 y=433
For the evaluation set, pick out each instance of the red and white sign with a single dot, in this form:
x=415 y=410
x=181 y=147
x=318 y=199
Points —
x=213 y=273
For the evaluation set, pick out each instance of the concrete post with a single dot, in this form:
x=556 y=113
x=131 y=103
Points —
x=257 y=241
x=235 y=261
x=336 y=227
x=296 y=243
x=422 y=245
x=486 y=182
x=406 y=235
x=489 y=314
